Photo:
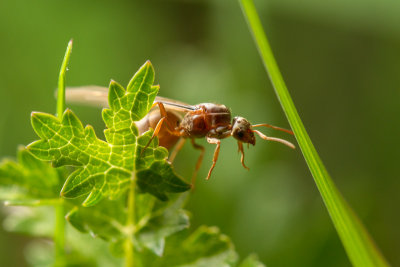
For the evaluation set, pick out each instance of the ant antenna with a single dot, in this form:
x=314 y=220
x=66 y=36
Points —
x=282 y=141
x=273 y=127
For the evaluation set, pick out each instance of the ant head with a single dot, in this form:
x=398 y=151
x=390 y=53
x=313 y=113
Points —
x=241 y=130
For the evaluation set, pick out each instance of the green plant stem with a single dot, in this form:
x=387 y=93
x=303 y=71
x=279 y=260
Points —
x=59 y=234
x=61 y=82
x=358 y=244
x=129 y=249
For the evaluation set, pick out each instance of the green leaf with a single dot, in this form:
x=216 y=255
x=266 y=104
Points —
x=105 y=220
x=155 y=220
x=359 y=246
x=105 y=169
x=66 y=142
x=28 y=179
x=165 y=220
x=205 y=247
x=154 y=174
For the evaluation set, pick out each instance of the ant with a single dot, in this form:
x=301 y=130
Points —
x=182 y=121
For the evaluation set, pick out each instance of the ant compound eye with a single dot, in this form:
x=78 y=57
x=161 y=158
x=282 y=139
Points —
x=240 y=134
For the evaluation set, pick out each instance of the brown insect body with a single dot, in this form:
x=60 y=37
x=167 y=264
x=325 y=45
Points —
x=212 y=121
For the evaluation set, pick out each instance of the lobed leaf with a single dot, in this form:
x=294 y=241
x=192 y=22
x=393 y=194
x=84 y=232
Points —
x=204 y=247
x=105 y=220
x=28 y=179
x=163 y=221
x=106 y=168
x=66 y=142
x=155 y=221
x=154 y=174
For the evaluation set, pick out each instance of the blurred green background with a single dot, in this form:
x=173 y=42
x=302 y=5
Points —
x=341 y=63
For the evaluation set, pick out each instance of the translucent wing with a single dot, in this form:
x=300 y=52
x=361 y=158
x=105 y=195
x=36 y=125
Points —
x=93 y=95
x=90 y=95
x=174 y=104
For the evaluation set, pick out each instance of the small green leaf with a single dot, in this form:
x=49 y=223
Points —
x=155 y=220
x=160 y=179
x=66 y=142
x=154 y=174
x=145 y=158
x=143 y=99
x=28 y=179
x=153 y=235
x=164 y=221
x=105 y=169
x=105 y=220
x=205 y=247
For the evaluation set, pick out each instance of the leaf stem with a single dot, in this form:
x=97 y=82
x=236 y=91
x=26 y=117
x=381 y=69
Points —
x=61 y=81
x=357 y=242
x=59 y=234
x=130 y=223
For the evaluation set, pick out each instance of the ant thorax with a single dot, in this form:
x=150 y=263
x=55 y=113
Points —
x=212 y=120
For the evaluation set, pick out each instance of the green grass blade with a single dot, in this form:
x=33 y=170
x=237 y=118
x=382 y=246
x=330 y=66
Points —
x=357 y=242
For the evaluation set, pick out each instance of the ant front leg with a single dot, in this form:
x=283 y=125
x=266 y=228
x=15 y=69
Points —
x=240 y=148
x=216 y=141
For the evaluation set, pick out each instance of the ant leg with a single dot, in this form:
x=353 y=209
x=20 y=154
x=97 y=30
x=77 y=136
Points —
x=268 y=138
x=240 y=147
x=199 y=160
x=176 y=149
x=216 y=153
x=155 y=133
x=273 y=127
x=163 y=112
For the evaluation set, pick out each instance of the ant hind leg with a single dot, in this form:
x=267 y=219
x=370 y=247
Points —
x=216 y=153
x=176 y=149
x=199 y=161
